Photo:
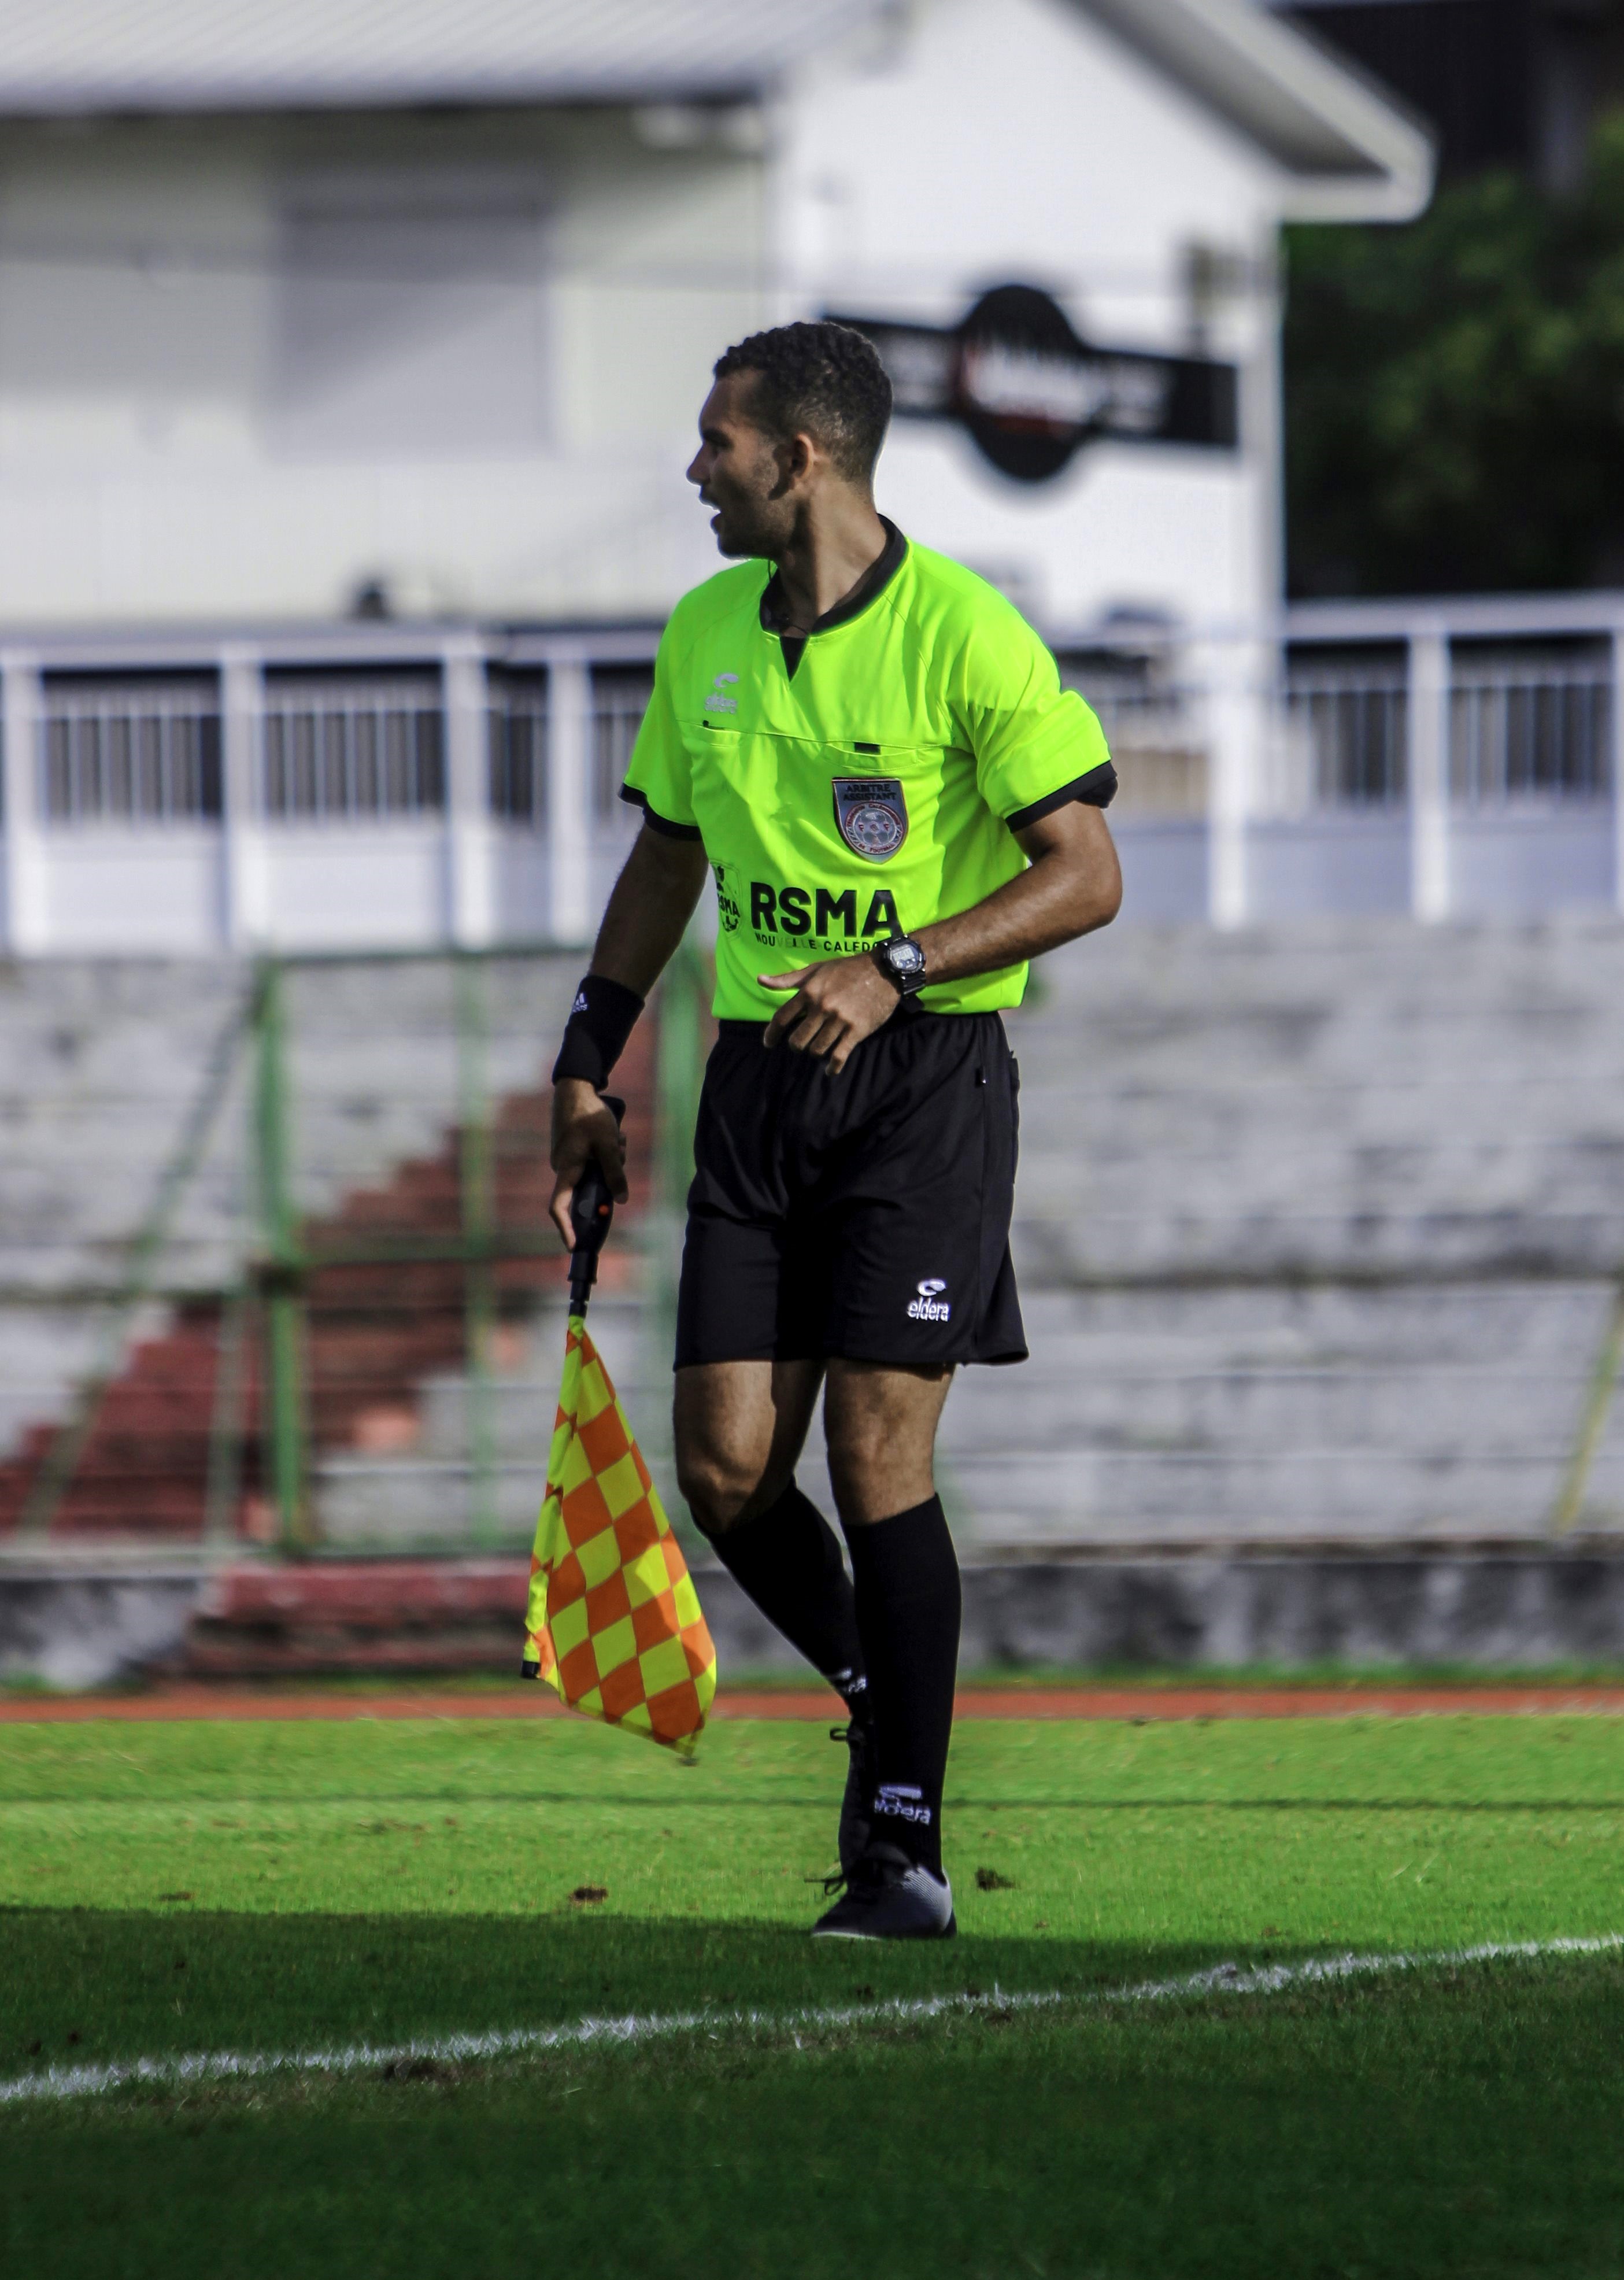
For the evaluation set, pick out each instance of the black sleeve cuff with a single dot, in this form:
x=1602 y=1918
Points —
x=600 y=1020
x=660 y=823
x=1097 y=789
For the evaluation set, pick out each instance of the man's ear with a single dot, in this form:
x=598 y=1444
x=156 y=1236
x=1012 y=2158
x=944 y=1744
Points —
x=799 y=455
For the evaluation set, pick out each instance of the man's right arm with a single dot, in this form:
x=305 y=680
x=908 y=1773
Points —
x=647 y=917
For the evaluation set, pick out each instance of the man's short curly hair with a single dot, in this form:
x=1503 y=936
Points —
x=822 y=380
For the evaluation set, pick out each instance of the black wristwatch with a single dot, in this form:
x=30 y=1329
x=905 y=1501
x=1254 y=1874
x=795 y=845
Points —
x=902 y=961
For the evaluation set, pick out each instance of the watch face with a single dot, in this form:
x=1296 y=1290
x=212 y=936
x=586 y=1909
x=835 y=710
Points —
x=905 y=958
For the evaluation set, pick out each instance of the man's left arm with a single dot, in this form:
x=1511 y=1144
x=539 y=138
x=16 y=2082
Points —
x=1072 y=884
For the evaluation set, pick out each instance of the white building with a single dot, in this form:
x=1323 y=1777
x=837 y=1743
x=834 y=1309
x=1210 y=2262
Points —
x=330 y=307
x=295 y=298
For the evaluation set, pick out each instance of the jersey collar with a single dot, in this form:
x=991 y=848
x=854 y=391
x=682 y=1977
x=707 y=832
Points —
x=873 y=583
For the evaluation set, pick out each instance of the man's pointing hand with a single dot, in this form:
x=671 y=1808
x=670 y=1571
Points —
x=835 y=1005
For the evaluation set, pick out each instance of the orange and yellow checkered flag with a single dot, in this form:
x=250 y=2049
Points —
x=614 y=1624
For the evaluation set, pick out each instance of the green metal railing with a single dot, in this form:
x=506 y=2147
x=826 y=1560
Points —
x=263 y=1350
x=477 y=1189
x=289 y=1261
x=280 y=1268
x=1599 y=1395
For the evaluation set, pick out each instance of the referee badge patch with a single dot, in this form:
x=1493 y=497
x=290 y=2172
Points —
x=871 y=815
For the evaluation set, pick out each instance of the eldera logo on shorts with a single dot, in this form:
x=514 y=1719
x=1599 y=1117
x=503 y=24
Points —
x=929 y=1306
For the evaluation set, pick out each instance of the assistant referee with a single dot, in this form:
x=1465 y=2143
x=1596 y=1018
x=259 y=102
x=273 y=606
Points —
x=872 y=751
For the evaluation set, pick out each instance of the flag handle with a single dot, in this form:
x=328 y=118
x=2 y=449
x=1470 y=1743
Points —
x=591 y=1210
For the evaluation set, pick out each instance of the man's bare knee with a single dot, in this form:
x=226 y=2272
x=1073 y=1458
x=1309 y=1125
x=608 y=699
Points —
x=881 y=1425
x=719 y=1490
x=739 y=1428
x=873 y=1476
x=856 y=1445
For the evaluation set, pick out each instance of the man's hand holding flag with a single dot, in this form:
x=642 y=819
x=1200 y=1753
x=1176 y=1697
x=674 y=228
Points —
x=614 y=1623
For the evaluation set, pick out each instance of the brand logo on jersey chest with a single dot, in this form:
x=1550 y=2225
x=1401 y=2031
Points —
x=872 y=815
x=719 y=700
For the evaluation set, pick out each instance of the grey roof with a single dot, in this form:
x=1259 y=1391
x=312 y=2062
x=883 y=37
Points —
x=65 y=56
x=1352 y=147
x=1348 y=146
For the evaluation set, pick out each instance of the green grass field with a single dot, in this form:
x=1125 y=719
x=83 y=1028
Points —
x=257 y=1888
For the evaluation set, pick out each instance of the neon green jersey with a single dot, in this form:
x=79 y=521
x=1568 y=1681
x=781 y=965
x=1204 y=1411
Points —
x=870 y=790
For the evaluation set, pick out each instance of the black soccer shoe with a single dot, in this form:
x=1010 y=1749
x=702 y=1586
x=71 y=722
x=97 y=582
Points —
x=888 y=1896
x=857 y=1806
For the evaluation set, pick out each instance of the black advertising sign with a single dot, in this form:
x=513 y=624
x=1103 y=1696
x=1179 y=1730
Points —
x=1031 y=393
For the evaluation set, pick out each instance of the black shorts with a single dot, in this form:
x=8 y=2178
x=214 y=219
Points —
x=864 y=1215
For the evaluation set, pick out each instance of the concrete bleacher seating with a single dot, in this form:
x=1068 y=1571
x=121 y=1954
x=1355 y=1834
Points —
x=1318 y=1227
x=1347 y=1098
x=1319 y=1230
x=103 y=1065
x=101 y=1060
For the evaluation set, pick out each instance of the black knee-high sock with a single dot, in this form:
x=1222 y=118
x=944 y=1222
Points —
x=908 y=1607
x=788 y=1560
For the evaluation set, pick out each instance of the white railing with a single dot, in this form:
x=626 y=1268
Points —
x=1523 y=727
x=1342 y=738
x=333 y=750
x=516 y=726
x=518 y=716
x=621 y=698
x=1449 y=759
x=129 y=752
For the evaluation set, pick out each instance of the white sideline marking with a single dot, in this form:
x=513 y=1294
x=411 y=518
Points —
x=56 y=2084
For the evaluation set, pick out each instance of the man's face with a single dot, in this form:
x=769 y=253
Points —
x=743 y=473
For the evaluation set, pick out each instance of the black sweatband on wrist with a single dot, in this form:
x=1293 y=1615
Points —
x=600 y=1020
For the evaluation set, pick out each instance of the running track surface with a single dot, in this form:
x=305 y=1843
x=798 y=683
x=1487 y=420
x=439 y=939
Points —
x=1143 y=1703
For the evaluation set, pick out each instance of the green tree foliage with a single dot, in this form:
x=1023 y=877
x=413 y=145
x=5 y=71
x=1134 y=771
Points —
x=1455 y=393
